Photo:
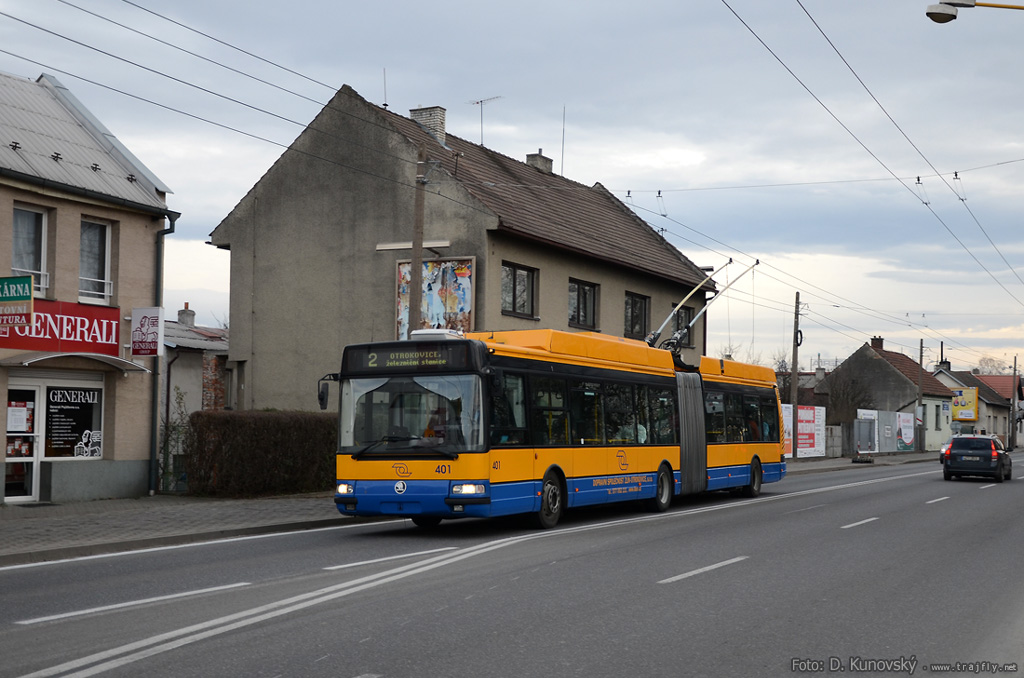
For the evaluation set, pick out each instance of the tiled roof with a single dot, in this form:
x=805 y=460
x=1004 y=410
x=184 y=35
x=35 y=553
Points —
x=46 y=135
x=911 y=369
x=552 y=209
x=1003 y=384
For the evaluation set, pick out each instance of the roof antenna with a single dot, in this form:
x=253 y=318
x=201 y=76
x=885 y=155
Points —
x=480 y=103
x=385 y=89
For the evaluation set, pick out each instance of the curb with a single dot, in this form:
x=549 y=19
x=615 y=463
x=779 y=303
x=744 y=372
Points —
x=66 y=552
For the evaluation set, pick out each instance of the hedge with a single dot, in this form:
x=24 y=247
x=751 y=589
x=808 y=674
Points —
x=249 y=453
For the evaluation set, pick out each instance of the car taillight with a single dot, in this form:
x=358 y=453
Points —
x=947 y=451
x=995 y=453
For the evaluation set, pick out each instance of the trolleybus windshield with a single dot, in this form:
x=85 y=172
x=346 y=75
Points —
x=429 y=414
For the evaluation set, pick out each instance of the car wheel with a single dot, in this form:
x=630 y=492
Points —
x=1000 y=474
x=946 y=475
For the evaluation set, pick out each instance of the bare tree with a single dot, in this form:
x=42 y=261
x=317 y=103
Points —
x=990 y=365
x=846 y=395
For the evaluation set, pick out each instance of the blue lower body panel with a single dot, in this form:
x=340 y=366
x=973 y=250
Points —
x=434 y=498
x=725 y=477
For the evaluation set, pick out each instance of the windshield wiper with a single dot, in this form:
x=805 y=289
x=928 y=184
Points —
x=377 y=443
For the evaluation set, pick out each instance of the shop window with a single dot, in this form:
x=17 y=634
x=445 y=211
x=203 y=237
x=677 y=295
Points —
x=94 y=284
x=29 y=247
x=74 y=425
x=518 y=289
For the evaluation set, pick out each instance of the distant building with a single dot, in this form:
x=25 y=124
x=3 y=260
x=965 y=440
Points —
x=195 y=366
x=86 y=220
x=992 y=410
x=321 y=250
x=891 y=381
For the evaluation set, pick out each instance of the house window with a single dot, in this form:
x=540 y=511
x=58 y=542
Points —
x=94 y=282
x=29 y=247
x=938 y=417
x=681 y=323
x=582 y=304
x=637 y=307
x=518 y=286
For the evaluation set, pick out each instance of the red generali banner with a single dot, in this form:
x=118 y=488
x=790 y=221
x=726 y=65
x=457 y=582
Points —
x=64 y=327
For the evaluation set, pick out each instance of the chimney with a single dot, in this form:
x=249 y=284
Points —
x=945 y=365
x=431 y=119
x=539 y=161
x=876 y=343
x=187 y=317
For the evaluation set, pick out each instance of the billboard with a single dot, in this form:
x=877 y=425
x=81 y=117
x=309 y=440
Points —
x=447 y=295
x=965 y=404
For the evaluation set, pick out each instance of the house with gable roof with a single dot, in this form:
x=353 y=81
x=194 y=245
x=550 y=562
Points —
x=991 y=411
x=893 y=382
x=321 y=250
x=84 y=220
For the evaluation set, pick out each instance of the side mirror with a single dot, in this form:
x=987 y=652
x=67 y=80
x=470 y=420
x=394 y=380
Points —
x=322 y=389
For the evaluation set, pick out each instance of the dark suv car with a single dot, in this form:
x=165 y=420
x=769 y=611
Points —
x=977 y=455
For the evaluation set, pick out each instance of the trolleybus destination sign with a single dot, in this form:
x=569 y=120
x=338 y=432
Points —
x=16 y=301
x=405 y=357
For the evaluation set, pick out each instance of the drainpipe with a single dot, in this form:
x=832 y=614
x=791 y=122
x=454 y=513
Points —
x=154 y=466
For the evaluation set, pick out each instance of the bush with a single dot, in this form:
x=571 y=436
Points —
x=247 y=453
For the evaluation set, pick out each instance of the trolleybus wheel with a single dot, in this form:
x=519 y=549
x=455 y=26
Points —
x=552 y=501
x=754 y=488
x=663 y=490
x=426 y=522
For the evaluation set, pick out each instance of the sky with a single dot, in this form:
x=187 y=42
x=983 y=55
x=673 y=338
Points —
x=868 y=158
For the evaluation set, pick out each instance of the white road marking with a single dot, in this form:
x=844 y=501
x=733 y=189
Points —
x=398 y=557
x=862 y=522
x=702 y=570
x=133 y=603
x=936 y=501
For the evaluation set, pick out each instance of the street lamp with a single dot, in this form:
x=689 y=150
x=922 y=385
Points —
x=945 y=11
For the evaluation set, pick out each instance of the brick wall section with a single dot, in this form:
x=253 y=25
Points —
x=214 y=382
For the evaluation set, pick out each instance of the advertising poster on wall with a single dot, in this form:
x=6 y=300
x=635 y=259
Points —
x=810 y=430
x=904 y=431
x=447 y=301
x=74 y=422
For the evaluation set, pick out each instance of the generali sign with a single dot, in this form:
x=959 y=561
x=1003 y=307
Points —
x=64 y=327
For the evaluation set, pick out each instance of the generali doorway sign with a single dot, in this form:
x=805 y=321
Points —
x=16 y=301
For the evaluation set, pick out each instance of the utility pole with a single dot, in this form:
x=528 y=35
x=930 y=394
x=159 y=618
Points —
x=416 y=265
x=1014 y=406
x=794 y=379
x=919 y=415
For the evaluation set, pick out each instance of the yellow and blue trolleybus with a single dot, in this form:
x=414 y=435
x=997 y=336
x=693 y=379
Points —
x=489 y=424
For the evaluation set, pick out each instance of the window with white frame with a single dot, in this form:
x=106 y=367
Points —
x=94 y=284
x=29 y=247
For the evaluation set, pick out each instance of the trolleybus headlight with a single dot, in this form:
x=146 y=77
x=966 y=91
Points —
x=346 y=488
x=467 y=488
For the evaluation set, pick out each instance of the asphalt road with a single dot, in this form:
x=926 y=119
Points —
x=826 y=574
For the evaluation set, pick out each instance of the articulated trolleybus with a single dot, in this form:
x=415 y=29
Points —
x=497 y=423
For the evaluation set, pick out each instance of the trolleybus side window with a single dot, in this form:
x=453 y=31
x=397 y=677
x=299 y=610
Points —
x=735 y=425
x=508 y=413
x=770 y=419
x=752 y=414
x=586 y=413
x=662 y=429
x=619 y=419
x=549 y=424
x=714 y=416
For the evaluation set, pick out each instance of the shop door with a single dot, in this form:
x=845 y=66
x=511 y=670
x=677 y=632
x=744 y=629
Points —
x=24 y=445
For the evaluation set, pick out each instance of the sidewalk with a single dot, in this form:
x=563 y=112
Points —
x=31 y=533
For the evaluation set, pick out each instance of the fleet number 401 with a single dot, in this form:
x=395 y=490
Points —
x=443 y=469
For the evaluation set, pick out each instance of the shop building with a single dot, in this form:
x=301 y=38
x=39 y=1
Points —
x=85 y=220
